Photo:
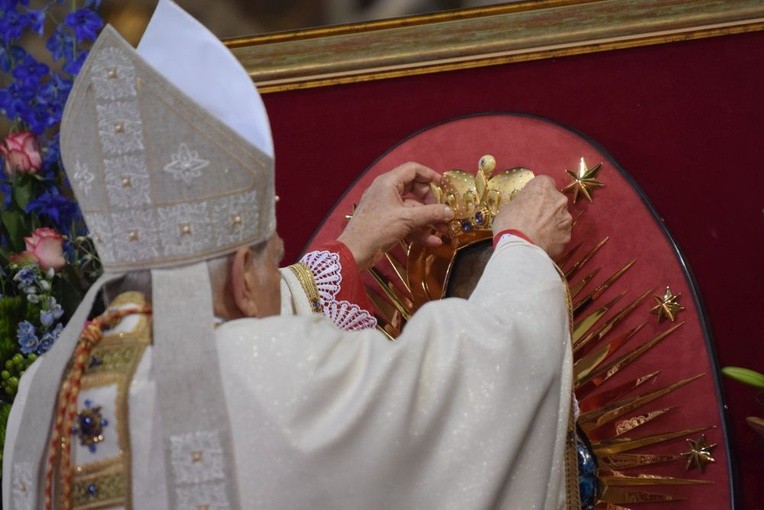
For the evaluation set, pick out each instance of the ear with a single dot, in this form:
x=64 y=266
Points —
x=244 y=282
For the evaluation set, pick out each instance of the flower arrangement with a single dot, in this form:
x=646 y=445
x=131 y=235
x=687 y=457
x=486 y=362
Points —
x=47 y=261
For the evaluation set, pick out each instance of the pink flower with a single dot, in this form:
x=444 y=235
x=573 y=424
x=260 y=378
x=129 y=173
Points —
x=46 y=245
x=22 y=153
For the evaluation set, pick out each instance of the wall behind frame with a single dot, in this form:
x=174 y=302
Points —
x=685 y=119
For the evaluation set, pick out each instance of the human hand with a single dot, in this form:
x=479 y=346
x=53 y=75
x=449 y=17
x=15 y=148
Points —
x=399 y=204
x=540 y=212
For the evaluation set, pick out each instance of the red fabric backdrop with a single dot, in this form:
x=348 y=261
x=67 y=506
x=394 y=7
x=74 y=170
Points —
x=683 y=119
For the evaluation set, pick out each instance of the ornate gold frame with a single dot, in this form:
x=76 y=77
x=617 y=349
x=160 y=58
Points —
x=528 y=30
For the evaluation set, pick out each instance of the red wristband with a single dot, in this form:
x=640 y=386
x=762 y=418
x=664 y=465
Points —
x=510 y=231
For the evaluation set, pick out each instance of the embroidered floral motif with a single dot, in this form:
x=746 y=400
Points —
x=23 y=487
x=119 y=127
x=197 y=457
x=185 y=228
x=131 y=235
x=186 y=165
x=83 y=177
x=327 y=272
x=349 y=316
x=209 y=496
x=127 y=181
x=238 y=213
x=113 y=75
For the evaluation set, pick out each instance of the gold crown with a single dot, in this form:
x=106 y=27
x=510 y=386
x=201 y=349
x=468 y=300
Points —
x=476 y=199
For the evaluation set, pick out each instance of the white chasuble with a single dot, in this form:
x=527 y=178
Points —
x=468 y=408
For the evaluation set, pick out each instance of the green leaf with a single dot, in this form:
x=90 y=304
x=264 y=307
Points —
x=23 y=191
x=745 y=376
x=13 y=221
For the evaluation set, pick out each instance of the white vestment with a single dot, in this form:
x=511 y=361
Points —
x=468 y=408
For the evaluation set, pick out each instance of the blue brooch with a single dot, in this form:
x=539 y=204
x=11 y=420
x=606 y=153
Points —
x=89 y=425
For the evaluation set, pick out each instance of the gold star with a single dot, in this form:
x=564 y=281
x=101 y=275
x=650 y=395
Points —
x=584 y=182
x=668 y=306
x=699 y=455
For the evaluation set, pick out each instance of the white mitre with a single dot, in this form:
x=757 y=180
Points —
x=168 y=149
x=169 y=153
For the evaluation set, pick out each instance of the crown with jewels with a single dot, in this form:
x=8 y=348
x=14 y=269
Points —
x=476 y=199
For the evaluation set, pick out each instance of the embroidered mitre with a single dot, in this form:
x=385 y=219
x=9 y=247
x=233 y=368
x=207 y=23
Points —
x=161 y=182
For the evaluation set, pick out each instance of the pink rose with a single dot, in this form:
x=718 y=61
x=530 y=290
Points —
x=22 y=153
x=46 y=245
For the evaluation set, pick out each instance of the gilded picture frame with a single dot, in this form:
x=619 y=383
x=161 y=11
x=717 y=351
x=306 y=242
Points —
x=469 y=38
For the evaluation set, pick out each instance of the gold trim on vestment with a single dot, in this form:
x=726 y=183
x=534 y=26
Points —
x=308 y=283
x=113 y=362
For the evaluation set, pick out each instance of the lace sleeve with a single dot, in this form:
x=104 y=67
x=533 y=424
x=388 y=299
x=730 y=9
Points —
x=340 y=290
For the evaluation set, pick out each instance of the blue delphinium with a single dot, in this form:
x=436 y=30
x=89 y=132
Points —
x=60 y=210
x=85 y=23
x=27 y=337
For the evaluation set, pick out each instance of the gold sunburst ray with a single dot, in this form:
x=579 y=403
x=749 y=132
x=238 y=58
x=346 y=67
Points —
x=625 y=444
x=565 y=257
x=626 y=425
x=399 y=271
x=584 y=324
x=624 y=496
x=590 y=361
x=602 y=374
x=586 y=258
x=393 y=295
x=576 y=288
x=390 y=318
x=621 y=461
x=587 y=300
x=600 y=417
x=617 y=479
x=604 y=398
x=595 y=337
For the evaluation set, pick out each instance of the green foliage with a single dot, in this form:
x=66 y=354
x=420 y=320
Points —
x=745 y=376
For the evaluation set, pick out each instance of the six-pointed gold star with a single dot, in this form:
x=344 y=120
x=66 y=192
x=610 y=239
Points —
x=699 y=455
x=668 y=306
x=584 y=182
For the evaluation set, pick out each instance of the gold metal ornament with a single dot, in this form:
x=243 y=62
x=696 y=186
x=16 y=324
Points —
x=699 y=455
x=668 y=306
x=584 y=181
x=476 y=199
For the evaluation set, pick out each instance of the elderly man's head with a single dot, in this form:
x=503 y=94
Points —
x=247 y=283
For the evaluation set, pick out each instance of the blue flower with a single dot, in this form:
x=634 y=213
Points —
x=12 y=24
x=36 y=20
x=29 y=71
x=61 y=44
x=85 y=23
x=15 y=99
x=57 y=208
x=27 y=338
x=46 y=318
x=51 y=314
x=50 y=338
x=26 y=277
x=74 y=66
